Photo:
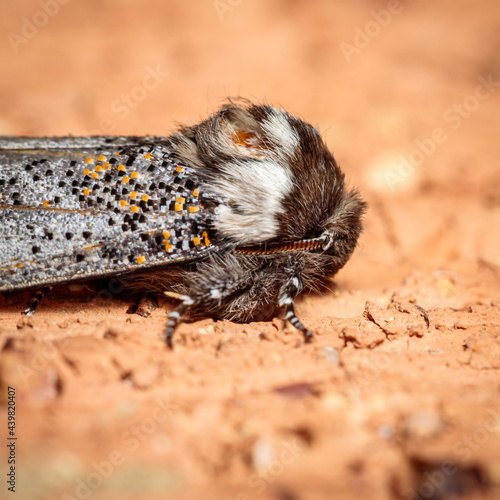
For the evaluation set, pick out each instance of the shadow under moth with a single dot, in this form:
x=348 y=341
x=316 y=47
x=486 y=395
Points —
x=232 y=217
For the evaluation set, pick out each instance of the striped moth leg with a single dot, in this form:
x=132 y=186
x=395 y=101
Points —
x=205 y=299
x=174 y=317
x=287 y=295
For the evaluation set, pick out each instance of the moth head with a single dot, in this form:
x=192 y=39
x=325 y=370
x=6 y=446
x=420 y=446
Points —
x=278 y=181
x=341 y=230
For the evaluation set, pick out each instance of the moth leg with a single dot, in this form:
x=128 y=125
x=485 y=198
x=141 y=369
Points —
x=287 y=295
x=213 y=291
x=174 y=317
x=142 y=306
x=36 y=299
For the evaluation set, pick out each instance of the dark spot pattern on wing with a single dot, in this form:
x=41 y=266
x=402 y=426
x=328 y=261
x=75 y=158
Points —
x=75 y=208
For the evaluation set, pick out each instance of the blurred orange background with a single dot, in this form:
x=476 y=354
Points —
x=407 y=96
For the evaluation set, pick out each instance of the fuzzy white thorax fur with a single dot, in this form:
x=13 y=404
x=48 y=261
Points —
x=256 y=188
x=255 y=191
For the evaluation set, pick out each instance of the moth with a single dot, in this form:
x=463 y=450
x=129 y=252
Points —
x=233 y=217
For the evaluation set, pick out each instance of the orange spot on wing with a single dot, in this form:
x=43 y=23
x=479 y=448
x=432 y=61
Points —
x=204 y=235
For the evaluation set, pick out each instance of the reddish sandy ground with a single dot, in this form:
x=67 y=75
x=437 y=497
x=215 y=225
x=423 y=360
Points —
x=384 y=404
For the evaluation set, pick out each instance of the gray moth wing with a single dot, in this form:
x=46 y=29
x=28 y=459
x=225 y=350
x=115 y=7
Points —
x=83 y=207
